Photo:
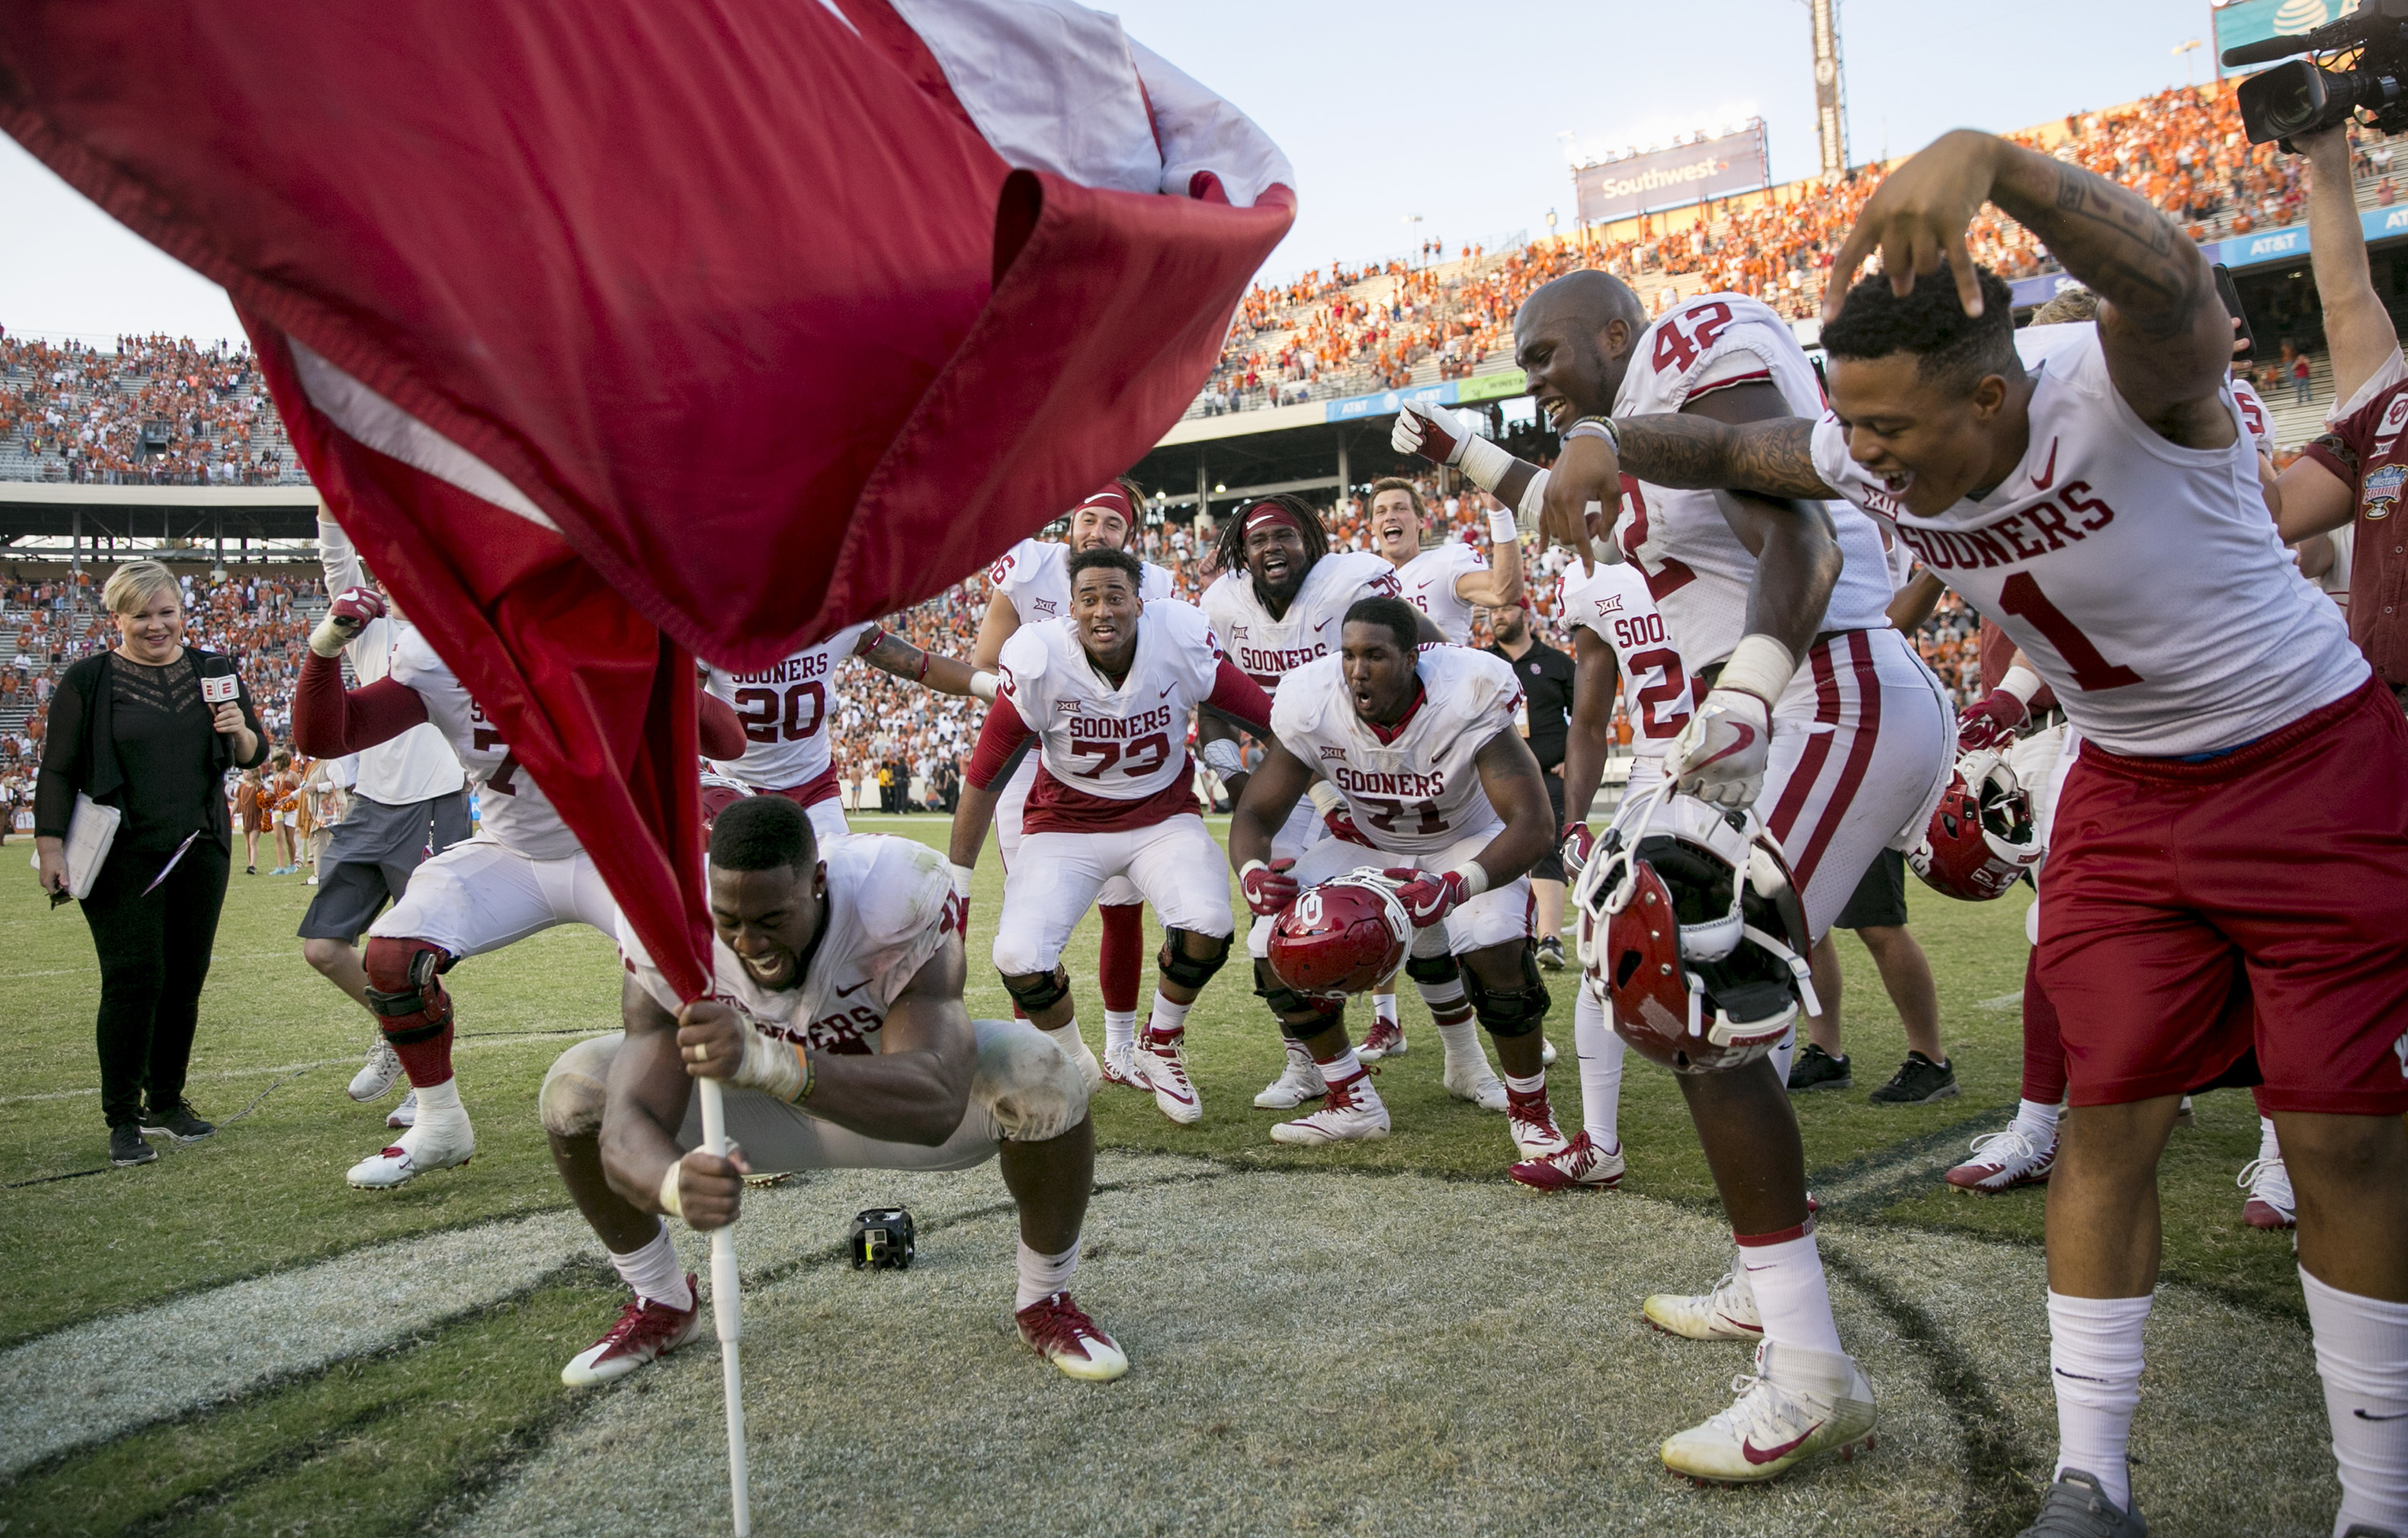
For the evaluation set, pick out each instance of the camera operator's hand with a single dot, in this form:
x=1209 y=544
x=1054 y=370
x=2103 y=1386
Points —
x=1918 y=217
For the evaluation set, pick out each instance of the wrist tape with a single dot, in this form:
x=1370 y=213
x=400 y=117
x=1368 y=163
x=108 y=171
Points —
x=773 y=1066
x=1485 y=463
x=982 y=685
x=1324 y=797
x=1474 y=874
x=669 y=1202
x=2022 y=684
x=1759 y=666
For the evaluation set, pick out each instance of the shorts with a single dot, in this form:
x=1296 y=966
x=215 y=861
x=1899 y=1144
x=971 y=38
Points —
x=367 y=862
x=1497 y=916
x=2196 y=910
x=1008 y=806
x=822 y=803
x=478 y=896
x=1551 y=868
x=1863 y=747
x=1172 y=864
x=1025 y=1090
x=1878 y=902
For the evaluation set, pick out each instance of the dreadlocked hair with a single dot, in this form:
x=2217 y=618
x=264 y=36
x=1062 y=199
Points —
x=1229 y=546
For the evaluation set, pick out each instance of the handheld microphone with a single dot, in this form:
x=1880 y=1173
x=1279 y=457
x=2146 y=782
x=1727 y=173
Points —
x=218 y=684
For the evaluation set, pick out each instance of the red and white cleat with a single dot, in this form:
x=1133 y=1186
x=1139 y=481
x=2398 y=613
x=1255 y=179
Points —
x=1798 y=1402
x=1059 y=1330
x=1532 y=1122
x=1299 y=1081
x=2004 y=1160
x=1387 y=1040
x=2271 y=1203
x=1579 y=1166
x=1120 y=1066
x=1164 y=1060
x=1727 y=1313
x=644 y=1329
x=1354 y=1113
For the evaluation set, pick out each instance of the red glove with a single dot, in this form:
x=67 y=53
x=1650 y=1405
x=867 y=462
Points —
x=1269 y=888
x=1430 y=895
x=1339 y=820
x=1989 y=719
x=1578 y=845
x=350 y=612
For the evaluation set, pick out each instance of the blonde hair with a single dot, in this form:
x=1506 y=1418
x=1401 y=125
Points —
x=131 y=585
x=2069 y=305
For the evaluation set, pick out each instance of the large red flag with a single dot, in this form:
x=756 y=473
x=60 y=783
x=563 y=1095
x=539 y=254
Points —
x=613 y=330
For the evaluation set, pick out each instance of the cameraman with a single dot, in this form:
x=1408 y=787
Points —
x=2356 y=469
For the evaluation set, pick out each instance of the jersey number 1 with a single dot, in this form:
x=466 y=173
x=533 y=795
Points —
x=2021 y=596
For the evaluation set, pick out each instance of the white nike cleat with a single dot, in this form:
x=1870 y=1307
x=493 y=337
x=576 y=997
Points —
x=2004 y=1160
x=1580 y=1165
x=1532 y=1122
x=1059 y=1330
x=1122 y=1065
x=1299 y=1081
x=644 y=1329
x=1727 y=1313
x=1165 y=1060
x=1479 y=1086
x=421 y=1149
x=1353 y=1113
x=1386 y=1038
x=1083 y=1056
x=1797 y=1403
x=404 y=1115
x=2271 y=1203
x=378 y=1075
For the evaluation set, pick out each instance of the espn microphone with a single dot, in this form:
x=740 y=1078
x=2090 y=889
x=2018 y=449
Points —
x=218 y=684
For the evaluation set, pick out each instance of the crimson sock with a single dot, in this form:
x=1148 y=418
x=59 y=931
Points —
x=427 y=1062
x=1120 y=962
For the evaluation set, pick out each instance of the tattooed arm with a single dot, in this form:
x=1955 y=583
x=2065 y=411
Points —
x=1685 y=450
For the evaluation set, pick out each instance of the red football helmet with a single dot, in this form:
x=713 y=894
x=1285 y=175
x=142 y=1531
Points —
x=1347 y=935
x=1981 y=838
x=1691 y=925
x=719 y=793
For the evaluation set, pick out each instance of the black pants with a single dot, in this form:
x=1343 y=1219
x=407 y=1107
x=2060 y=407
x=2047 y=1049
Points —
x=154 y=955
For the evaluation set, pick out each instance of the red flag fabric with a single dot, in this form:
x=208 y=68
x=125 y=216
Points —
x=614 y=331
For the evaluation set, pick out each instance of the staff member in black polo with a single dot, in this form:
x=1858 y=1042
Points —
x=1546 y=678
x=130 y=729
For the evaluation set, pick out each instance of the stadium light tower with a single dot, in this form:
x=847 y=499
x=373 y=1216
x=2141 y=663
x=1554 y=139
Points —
x=1830 y=97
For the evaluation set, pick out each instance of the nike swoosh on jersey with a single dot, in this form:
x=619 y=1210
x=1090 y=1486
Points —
x=855 y=988
x=2047 y=477
x=2363 y=1416
x=1322 y=626
x=1755 y=1453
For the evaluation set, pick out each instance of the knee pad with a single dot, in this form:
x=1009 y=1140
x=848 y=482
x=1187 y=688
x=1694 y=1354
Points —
x=1507 y=1012
x=411 y=1005
x=1431 y=970
x=1049 y=989
x=1283 y=1001
x=570 y=1101
x=1185 y=969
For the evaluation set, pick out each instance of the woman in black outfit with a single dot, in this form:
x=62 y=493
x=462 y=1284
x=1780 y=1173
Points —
x=130 y=729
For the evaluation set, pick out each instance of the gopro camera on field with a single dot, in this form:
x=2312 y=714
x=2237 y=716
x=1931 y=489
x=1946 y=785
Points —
x=2304 y=97
x=881 y=1239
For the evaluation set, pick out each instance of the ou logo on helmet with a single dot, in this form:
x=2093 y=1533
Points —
x=1308 y=910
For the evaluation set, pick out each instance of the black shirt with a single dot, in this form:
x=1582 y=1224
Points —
x=1545 y=675
x=164 y=763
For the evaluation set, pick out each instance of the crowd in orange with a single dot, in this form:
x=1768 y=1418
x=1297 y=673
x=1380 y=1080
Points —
x=157 y=411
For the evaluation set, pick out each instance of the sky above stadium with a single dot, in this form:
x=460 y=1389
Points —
x=1464 y=115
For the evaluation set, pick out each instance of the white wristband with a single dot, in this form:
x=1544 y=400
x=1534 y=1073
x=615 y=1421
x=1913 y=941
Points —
x=1759 y=666
x=2022 y=684
x=1251 y=866
x=1324 y=797
x=670 y=1203
x=982 y=685
x=1474 y=874
x=1504 y=528
x=962 y=874
x=1484 y=463
x=1534 y=501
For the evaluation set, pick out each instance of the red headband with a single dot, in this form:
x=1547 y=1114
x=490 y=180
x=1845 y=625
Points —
x=1276 y=512
x=1111 y=499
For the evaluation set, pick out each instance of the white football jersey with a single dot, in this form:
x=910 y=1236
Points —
x=1417 y=791
x=1265 y=648
x=1614 y=605
x=1427 y=582
x=1127 y=743
x=785 y=709
x=2144 y=581
x=2255 y=420
x=1034 y=576
x=1695 y=566
x=511 y=807
x=890 y=905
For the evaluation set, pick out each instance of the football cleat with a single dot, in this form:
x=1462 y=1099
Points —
x=2271 y=1203
x=1299 y=1081
x=1550 y=953
x=1353 y=1113
x=1797 y=1404
x=420 y=1150
x=1122 y=1065
x=1164 y=1059
x=404 y=1115
x=644 y=1329
x=1478 y=1084
x=2077 y=1507
x=378 y=1075
x=1532 y=1123
x=1578 y=1166
x=1059 y=1330
x=1387 y=1040
x=2003 y=1161
x=1727 y=1313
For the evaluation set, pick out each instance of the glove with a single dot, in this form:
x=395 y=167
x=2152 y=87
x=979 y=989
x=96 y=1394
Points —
x=1269 y=888
x=346 y=617
x=1720 y=755
x=1990 y=720
x=1339 y=820
x=1578 y=845
x=1430 y=895
x=1433 y=432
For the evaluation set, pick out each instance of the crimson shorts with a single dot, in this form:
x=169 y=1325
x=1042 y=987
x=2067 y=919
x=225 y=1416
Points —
x=2257 y=899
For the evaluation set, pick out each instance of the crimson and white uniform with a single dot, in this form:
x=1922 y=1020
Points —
x=1412 y=789
x=523 y=872
x=890 y=908
x=1034 y=577
x=2236 y=794
x=1612 y=604
x=1114 y=792
x=1862 y=740
x=1427 y=582
x=2254 y=419
x=785 y=709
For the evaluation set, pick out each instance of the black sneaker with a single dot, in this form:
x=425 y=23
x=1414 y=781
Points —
x=2077 y=1507
x=1919 y=1082
x=250 y=870
x=1551 y=954
x=177 y=1121
x=125 y=1146
x=1815 y=1069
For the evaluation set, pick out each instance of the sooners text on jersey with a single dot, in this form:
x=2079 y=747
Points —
x=784 y=708
x=1265 y=648
x=1614 y=605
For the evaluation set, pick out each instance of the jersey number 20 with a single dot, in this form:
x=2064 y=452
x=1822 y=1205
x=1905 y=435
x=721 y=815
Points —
x=797 y=716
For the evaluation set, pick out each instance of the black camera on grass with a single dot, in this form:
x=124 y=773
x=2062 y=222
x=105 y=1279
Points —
x=881 y=1239
x=2303 y=96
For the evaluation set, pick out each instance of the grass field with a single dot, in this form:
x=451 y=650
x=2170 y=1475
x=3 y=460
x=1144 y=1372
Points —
x=1389 y=1338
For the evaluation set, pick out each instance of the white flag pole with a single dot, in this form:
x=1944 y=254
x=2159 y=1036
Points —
x=727 y=1313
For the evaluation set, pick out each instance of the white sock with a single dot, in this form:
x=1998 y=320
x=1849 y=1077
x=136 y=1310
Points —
x=1462 y=1045
x=1782 y=1051
x=1791 y=1298
x=1535 y=1083
x=1343 y=1067
x=1067 y=1037
x=1600 y=1054
x=1043 y=1275
x=2037 y=1121
x=1169 y=1018
x=2362 y=1356
x=2094 y=1358
x=1119 y=1027
x=2267 y=1147
x=1384 y=1007
x=439 y=1106
x=655 y=1273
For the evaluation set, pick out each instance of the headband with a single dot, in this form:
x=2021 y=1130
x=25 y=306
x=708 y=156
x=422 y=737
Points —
x=1271 y=512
